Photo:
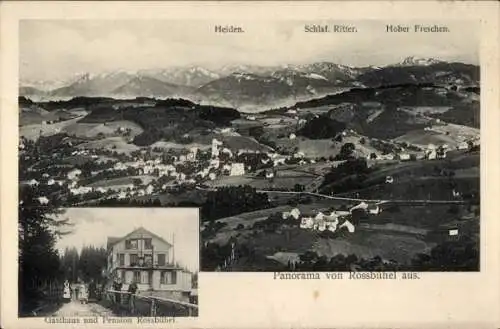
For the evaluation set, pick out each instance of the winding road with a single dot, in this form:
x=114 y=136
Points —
x=377 y=201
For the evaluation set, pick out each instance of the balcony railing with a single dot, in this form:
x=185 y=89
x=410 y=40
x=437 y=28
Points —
x=138 y=305
x=144 y=265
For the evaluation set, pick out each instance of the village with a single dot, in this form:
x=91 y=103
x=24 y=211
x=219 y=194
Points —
x=155 y=173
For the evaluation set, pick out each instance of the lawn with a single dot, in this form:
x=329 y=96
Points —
x=368 y=244
x=88 y=130
x=423 y=138
x=112 y=143
x=33 y=131
x=122 y=181
x=167 y=199
x=243 y=142
x=421 y=168
x=261 y=183
x=171 y=145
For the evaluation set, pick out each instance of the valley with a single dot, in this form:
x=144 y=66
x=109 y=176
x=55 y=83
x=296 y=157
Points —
x=303 y=167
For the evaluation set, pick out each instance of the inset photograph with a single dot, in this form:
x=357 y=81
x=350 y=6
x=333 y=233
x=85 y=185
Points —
x=108 y=262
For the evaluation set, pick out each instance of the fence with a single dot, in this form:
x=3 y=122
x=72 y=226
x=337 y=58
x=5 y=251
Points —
x=139 y=305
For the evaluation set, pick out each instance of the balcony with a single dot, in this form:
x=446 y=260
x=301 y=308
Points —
x=146 y=266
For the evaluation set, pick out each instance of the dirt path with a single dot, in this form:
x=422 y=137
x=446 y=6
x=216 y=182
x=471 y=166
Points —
x=75 y=308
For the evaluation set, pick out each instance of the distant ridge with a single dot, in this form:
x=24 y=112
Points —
x=256 y=88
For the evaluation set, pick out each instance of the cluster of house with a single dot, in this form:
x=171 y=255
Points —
x=210 y=170
x=331 y=221
x=237 y=169
x=431 y=152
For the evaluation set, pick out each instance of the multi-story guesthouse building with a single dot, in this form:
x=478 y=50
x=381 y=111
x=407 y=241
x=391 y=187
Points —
x=148 y=260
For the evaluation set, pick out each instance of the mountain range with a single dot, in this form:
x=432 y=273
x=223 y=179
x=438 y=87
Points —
x=252 y=88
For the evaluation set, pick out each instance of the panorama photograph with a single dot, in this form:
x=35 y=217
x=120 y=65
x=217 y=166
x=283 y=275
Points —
x=302 y=151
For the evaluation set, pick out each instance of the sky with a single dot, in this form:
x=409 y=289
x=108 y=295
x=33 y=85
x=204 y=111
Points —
x=92 y=226
x=55 y=49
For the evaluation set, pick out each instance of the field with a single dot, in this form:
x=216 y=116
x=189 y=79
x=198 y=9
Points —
x=170 y=145
x=316 y=110
x=172 y=199
x=423 y=138
x=112 y=143
x=454 y=161
x=33 y=131
x=460 y=132
x=88 y=130
x=449 y=134
x=33 y=115
x=121 y=182
x=245 y=143
x=276 y=120
x=428 y=109
x=368 y=244
x=283 y=180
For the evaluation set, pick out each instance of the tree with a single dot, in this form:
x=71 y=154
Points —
x=308 y=257
x=338 y=263
x=38 y=230
x=232 y=200
x=298 y=188
x=460 y=255
x=322 y=127
x=69 y=264
x=346 y=151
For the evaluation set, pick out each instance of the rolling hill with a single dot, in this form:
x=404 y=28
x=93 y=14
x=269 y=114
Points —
x=392 y=111
x=436 y=73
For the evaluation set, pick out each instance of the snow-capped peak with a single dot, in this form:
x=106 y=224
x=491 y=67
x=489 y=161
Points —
x=418 y=61
x=316 y=76
x=200 y=70
x=242 y=75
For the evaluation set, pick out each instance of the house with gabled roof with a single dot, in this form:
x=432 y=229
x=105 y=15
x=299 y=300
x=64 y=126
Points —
x=348 y=225
x=148 y=260
x=374 y=209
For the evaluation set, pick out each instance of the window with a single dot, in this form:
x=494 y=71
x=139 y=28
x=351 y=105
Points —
x=174 y=277
x=137 y=276
x=148 y=260
x=131 y=244
x=121 y=258
x=147 y=244
x=145 y=277
x=134 y=260
x=161 y=259
x=168 y=277
x=165 y=277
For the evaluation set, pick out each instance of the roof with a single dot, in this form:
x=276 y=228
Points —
x=114 y=240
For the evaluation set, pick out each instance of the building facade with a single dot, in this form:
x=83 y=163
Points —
x=148 y=260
